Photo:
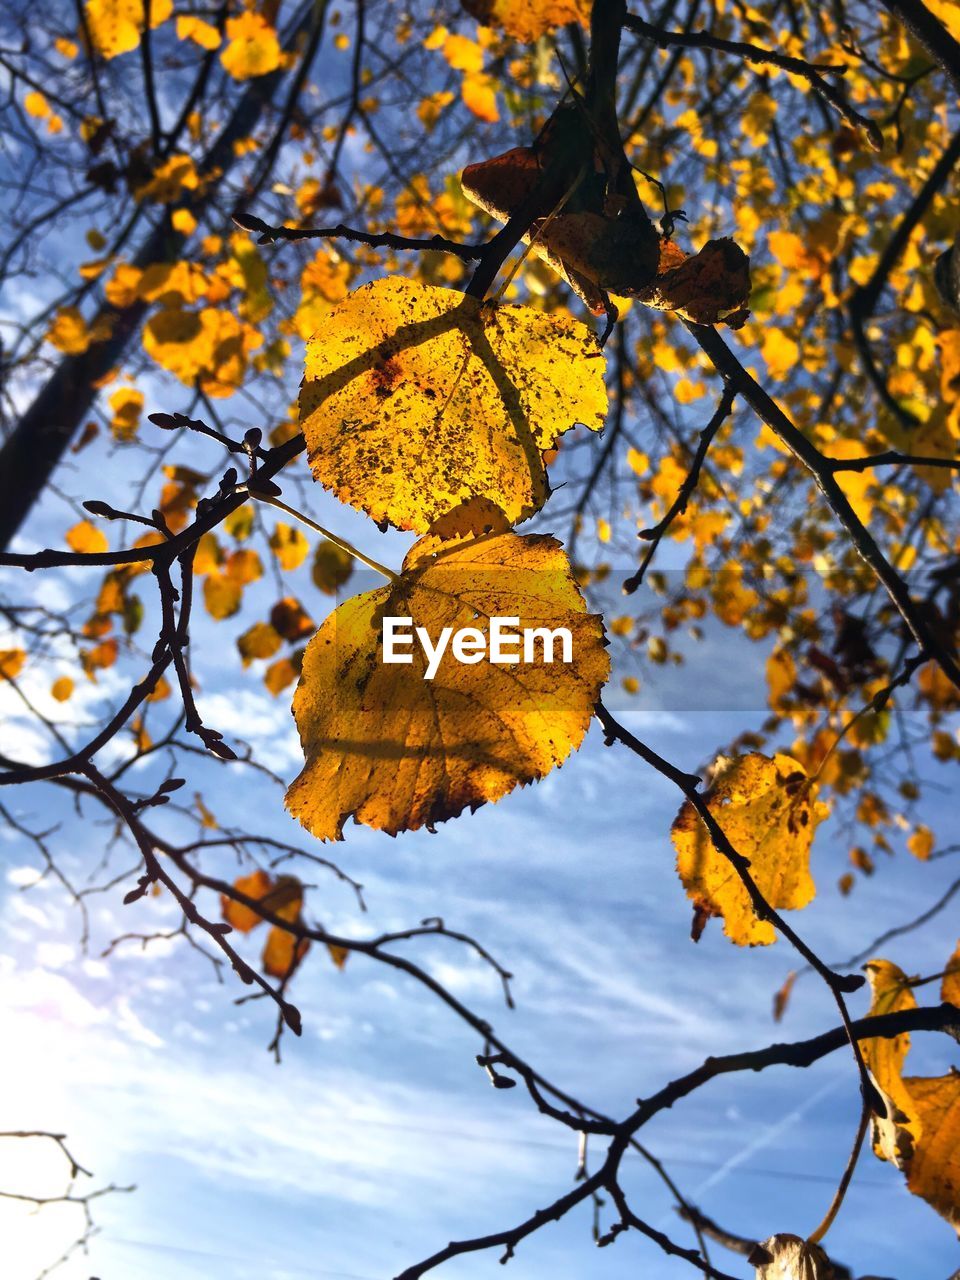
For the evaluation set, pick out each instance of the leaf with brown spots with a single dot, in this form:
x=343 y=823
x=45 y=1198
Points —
x=417 y=399
x=769 y=812
x=397 y=752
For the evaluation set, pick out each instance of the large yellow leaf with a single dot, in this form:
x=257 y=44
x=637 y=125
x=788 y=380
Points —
x=921 y=1133
x=398 y=751
x=769 y=811
x=934 y=1172
x=417 y=399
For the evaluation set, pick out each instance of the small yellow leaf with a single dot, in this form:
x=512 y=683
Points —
x=11 y=663
x=254 y=49
x=36 y=105
x=950 y=987
x=289 y=545
x=417 y=399
x=283 y=952
x=87 y=539
x=61 y=689
x=222 y=595
x=202 y=33
x=258 y=641
x=921 y=842
x=242 y=917
x=769 y=812
x=397 y=751
x=127 y=405
x=781 y=676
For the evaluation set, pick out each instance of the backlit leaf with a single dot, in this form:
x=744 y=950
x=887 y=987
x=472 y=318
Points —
x=769 y=812
x=254 y=49
x=398 y=752
x=417 y=399
x=87 y=539
x=11 y=663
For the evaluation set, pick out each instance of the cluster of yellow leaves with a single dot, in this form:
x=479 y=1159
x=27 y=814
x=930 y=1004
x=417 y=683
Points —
x=769 y=812
x=397 y=752
x=418 y=399
x=71 y=334
x=209 y=348
x=280 y=896
x=478 y=89
x=116 y=26
x=921 y=1131
x=528 y=20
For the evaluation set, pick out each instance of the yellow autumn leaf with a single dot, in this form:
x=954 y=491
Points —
x=921 y=1133
x=418 y=399
x=290 y=620
x=282 y=953
x=36 y=105
x=238 y=914
x=70 y=333
x=769 y=812
x=61 y=689
x=116 y=25
x=921 y=842
x=87 y=539
x=780 y=353
x=479 y=92
x=209 y=347
x=933 y=1172
x=169 y=180
x=254 y=49
x=332 y=567
x=259 y=641
x=950 y=986
x=11 y=663
x=202 y=33
x=222 y=595
x=280 y=675
x=781 y=675
x=396 y=751
x=463 y=54
x=528 y=20
x=289 y=546
x=126 y=405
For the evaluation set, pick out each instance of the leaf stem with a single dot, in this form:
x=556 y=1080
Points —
x=816 y=1236
x=331 y=537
